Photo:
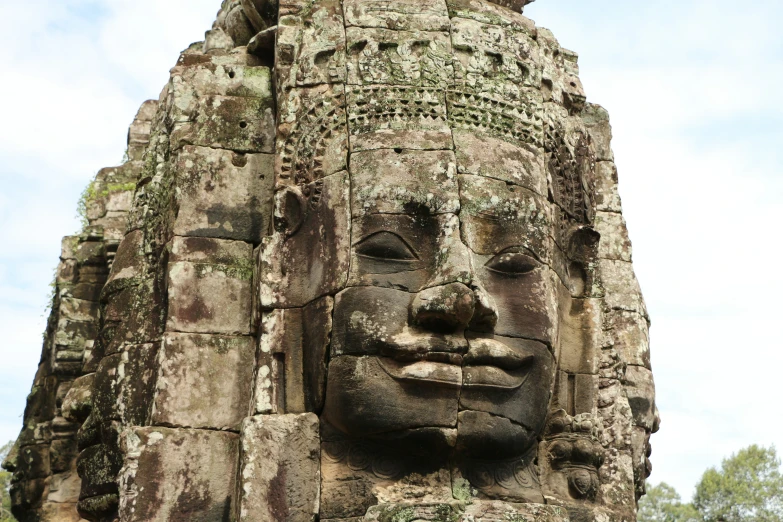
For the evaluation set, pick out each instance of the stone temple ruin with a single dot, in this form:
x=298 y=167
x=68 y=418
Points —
x=366 y=262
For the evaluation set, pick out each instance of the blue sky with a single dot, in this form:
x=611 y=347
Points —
x=692 y=88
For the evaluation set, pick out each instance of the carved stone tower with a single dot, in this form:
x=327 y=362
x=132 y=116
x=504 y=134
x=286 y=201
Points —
x=366 y=262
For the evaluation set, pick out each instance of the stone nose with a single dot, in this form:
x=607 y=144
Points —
x=445 y=308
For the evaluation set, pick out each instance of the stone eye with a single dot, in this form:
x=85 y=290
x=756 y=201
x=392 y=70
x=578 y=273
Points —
x=385 y=245
x=512 y=263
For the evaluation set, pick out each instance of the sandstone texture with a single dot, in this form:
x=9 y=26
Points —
x=366 y=261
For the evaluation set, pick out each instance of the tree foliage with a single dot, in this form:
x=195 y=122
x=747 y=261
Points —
x=663 y=504
x=5 y=484
x=747 y=488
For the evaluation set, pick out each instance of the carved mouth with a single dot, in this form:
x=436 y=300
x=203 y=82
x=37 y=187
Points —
x=488 y=364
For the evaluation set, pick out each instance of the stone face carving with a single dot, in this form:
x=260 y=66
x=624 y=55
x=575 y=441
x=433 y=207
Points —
x=374 y=268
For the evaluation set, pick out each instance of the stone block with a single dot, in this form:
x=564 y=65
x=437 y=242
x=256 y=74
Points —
x=78 y=309
x=60 y=512
x=390 y=182
x=500 y=63
x=580 y=324
x=480 y=510
x=98 y=466
x=615 y=243
x=299 y=339
x=617 y=479
x=62 y=454
x=139 y=370
x=492 y=12
x=178 y=475
x=229 y=122
x=280 y=476
x=596 y=119
x=405 y=15
x=631 y=336
x=526 y=217
x=106 y=388
x=218 y=77
x=388 y=57
x=363 y=399
x=68 y=248
x=607 y=195
x=66 y=273
x=78 y=401
x=65 y=487
x=91 y=253
x=419 y=120
x=309 y=255
x=72 y=335
x=41 y=402
x=205 y=381
x=518 y=122
x=640 y=389
x=209 y=286
x=310 y=48
x=224 y=194
x=128 y=260
x=355 y=332
x=312 y=136
x=33 y=462
x=622 y=290
x=491 y=157
x=27 y=494
x=429 y=247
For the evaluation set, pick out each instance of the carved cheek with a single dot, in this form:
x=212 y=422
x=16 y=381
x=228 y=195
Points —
x=368 y=318
x=524 y=305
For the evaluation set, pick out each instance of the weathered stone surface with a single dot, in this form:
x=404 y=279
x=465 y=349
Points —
x=631 y=337
x=224 y=194
x=484 y=511
x=312 y=135
x=237 y=123
x=640 y=388
x=493 y=158
x=203 y=381
x=310 y=53
x=386 y=180
x=309 y=257
x=209 y=286
x=597 y=121
x=615 y=243
x=280 y=477
x=178 y=475
x=397 y=117
x=413 y=58
x=621 y=286
x=404 y=15
x=607 y=197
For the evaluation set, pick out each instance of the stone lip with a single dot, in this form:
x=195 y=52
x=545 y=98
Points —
x=514 y=5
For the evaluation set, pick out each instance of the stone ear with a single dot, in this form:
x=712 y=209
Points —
x=290 y=210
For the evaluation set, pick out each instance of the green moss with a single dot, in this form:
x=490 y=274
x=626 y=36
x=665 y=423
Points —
x=397 y=514
x=93 y=192
x=242 y=269
x=89 y=195
x=461 y=490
